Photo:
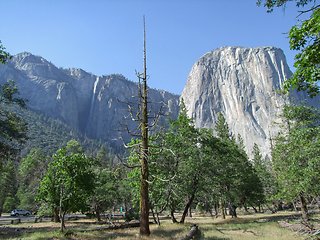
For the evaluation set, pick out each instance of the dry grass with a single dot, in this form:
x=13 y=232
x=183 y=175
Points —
x=253 y=226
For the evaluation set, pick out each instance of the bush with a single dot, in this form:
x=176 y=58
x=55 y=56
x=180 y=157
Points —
x=131 y=214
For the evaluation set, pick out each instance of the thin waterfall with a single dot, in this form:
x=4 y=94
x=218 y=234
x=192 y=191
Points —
x=90 y=118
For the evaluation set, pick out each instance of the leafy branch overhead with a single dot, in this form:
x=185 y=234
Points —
x=4 y=55
x=12 y=126
x=305 y=38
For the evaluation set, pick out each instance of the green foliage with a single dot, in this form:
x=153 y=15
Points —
x=132 y=214
x=296 y=152
x=7 y=186
x=222 y=128
x=195 y=165
x=12 y=127
x=306 y=39
x=31 y=171
x=232 y=177
x=263 y=169
x=270 y=4
x=106 y=194
x=68 y=183
x=51 y=134
x=4 y=55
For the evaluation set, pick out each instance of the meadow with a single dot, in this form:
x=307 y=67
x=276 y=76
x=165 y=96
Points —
x=246 y=226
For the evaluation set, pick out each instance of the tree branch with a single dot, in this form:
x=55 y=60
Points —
x=309 y=10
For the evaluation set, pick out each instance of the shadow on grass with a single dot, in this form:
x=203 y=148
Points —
x=200 y=235
x=54 y=233
x=165 y=234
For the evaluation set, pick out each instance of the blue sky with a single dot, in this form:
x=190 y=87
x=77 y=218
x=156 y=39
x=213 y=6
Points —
x=106 y=36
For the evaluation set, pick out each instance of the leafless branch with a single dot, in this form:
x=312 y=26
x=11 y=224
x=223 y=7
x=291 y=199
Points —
x=164 y=180
x=126 y=164
x=126 y=129
x=309 y=10
x=157 y=117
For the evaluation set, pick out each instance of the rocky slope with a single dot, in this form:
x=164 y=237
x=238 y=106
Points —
x=84 y=101
x=241 y=83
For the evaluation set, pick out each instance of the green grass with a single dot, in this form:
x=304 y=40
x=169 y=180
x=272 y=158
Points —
x=253 y=226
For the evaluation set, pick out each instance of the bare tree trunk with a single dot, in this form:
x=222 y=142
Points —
x=184 y=214
x=303 y=207
x=144 y=188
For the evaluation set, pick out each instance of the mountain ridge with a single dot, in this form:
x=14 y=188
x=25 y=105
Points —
x=240 y=82
x=84 y=101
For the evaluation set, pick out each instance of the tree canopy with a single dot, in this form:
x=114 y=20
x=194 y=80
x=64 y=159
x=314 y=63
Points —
x=296 y=152
x=68 y=183
x=305 y=38
x=4 y=55
x=12 y=127
x=270 y=4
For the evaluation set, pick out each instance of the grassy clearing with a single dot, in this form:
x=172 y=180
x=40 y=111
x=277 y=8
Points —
x=253 y=226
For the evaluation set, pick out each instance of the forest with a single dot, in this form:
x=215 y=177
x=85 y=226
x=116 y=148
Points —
x=176 y=169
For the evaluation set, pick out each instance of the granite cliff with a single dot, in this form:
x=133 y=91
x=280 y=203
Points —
x=241 y=83
x=82 y=100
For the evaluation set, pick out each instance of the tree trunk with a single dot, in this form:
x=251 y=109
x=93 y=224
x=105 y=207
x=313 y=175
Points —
x=155 y=217
x=98 y=213
x=255 y=210
x=294 y=206
x=56 y=215
x=1 y=210
x=232 y=210
x=144 y=188
x=184 y=214
x=273 y=211
x=215 y=209
x=189 y=212
x=63 y=226
x=245 y=207
x=174 y=220
x=303 y=207
x=158 y=219
x=318 y=202
x=222 y=210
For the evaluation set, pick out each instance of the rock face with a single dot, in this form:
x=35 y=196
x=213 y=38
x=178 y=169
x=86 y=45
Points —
x=239 y=82
x=84 y=101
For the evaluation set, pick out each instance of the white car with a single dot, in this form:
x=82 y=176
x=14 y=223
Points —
x=17 y=212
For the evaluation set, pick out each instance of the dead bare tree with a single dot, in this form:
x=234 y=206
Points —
x=142 y=114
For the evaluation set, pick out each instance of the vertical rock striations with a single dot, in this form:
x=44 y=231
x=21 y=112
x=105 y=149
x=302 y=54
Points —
x=241 y=83
x=84 y=101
